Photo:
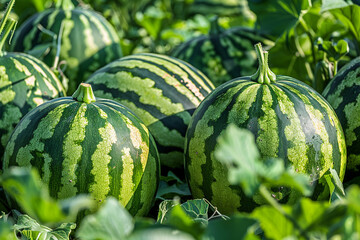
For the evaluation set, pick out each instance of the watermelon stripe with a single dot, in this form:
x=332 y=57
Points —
x=72 y=151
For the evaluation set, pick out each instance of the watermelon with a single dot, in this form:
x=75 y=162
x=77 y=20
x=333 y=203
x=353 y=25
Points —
x=25 y=82
x=222 y=54
x=218 y=7
x=343 y=93
x=163 y=91
x=81 y=144
x=289 y=120
x=79 y=39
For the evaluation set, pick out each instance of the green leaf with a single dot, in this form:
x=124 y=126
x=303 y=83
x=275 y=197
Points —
x=28 y=227
x=27 y=189
x=197 y=209
x=237 y=227
x=237 y=150
x=274 y=224
x=172 y=186
x=333 y=4
x=6 y=231
x=350 y=17
x=112 y=221
x=190 y=217
x=335 y=185
x=275 y=17
x=160 y=233
x=335 y=50
x=25 y=186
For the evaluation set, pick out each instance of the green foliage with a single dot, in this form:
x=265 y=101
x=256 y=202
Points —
x=238 y=151
x=26 y=188
x=105 y=223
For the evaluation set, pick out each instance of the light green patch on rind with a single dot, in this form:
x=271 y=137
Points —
x=352 y=112
x=101 y=186
x=323 y=160
x=102 y=31
x=127 y=186
x=72 y=151
x=148 y=191
x=10 y=117
x=144 y=88
x=335 y=99
x=197 y=153
x=293 y=132
x=91 y=47
x=239 y=113
x=7 y=95
x=66 y=47
x=9 y=151
x=166 y=75
x=46 y=77
x=45 y=130
x=195 y=76
x=268 y=135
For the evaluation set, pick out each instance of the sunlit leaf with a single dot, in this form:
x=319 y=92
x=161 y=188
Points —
x=111 y=222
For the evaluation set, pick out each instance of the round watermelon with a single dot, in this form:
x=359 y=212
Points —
x=288 y=119
x=76 y=39
x=343 y=93
x=25 y=82
x=81 y=144
x=222 y=54
x=163 y=91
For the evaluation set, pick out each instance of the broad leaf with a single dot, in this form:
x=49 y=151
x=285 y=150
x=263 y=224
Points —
x=278 y=16
x=111 y=222
x=237 y=150
x=171 y=186
x=32 y=230
x=274 y=224
x=6 y=231
x=33 y=197
x=333 y=4
x=335 y=185
x=27 y=189
x=160 y=233
x=237 y=227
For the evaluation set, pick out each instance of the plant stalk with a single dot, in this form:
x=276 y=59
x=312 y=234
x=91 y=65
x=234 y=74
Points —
x=6 y=24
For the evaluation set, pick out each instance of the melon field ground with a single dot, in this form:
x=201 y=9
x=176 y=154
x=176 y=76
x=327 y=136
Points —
x=179 y=119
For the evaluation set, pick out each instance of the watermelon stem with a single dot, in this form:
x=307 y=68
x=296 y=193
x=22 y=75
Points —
x=65 y=4
x=6 y=23
x=263 y=75
x=84 y=93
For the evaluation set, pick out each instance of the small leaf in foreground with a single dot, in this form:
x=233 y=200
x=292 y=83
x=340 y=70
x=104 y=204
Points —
x=111 y=222
x=237 y=150
x=29 y=228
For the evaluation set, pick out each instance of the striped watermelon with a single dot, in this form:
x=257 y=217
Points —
x=80 y=144
x=218 y=7
x=222 y=54
x=343 y=93
x=87 y=41
x=162 y=91
x=25 y=82
x=289 y=120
